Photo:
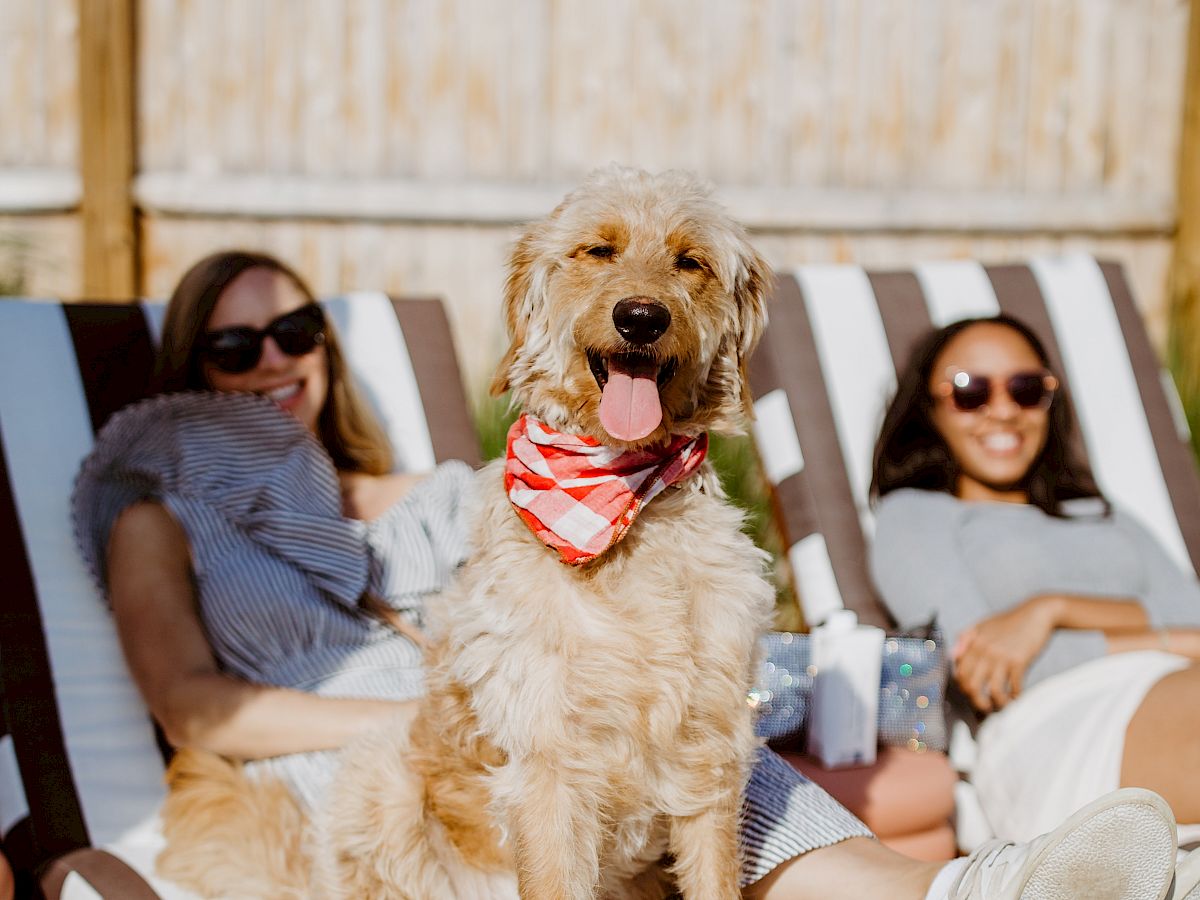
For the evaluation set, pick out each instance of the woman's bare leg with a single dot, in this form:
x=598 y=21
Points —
x=1162 y=743
x=852 y=869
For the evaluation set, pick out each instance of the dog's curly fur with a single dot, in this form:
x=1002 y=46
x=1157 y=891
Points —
x=584 y=723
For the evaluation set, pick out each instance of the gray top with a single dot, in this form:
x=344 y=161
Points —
x=963 y=561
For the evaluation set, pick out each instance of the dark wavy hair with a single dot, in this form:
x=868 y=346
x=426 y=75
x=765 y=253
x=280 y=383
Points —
x=910 y=452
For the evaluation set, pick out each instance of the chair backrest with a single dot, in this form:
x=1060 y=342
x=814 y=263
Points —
x=80 y=764
x=827 y=367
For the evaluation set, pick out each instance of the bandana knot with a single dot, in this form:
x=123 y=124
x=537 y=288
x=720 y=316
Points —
x=580 y=497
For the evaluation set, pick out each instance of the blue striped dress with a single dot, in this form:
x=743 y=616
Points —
x=279 y=572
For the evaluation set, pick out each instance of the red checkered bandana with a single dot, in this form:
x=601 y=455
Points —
x=580 y=497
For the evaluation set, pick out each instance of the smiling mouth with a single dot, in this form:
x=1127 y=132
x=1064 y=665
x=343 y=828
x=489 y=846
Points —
x=1001 y=444
x=638 y=363
x=630 y=406
x=285 y=393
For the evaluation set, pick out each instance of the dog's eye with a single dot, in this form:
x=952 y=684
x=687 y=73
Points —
x=601 y=251
x=690 y=263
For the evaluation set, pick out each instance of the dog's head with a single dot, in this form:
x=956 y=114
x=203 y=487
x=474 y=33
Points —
x=632 y=311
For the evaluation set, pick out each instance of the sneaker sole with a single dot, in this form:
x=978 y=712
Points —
x=1095 y=859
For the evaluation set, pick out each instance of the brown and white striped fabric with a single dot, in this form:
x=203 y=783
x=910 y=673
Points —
x=80 y=766
x=827 y=367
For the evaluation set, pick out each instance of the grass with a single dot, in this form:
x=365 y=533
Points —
x=737 y=465
x=14 y=264
x=1183 y=361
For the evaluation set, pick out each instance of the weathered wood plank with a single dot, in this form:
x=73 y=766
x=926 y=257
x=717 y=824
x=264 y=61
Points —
x=1050 y=66
x=365 y=108
x=282 y=117
x=487 y=85
x=760 y=205
x=20 y=106
x=61 y=83
x=1086 y=95
x=322 y=79
x=106 y=71
x=527 y=144
x=670 y=121
x=161 y=122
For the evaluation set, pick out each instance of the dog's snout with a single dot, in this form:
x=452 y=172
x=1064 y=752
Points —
x=641 y=321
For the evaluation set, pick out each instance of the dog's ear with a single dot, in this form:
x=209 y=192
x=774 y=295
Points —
x=753 y=283
x=520 y=290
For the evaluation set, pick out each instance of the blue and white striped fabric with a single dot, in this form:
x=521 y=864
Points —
x=786 y=815
x=279 y=570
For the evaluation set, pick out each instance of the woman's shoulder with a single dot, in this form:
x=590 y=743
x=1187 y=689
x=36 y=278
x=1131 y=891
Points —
x=200 y=454
x=907 y=502
x=911 y=517
x=200 y=435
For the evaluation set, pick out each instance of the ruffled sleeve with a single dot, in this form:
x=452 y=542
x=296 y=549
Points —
x=217 y=460
x=420 y=542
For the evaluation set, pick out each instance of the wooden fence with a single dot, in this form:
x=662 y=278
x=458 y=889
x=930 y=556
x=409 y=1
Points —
x=398 y=144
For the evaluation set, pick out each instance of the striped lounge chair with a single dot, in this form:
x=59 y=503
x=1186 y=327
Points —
x=828 y=365
x=80 y=767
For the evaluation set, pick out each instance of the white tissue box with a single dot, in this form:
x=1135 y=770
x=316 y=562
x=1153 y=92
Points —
x=843 y=726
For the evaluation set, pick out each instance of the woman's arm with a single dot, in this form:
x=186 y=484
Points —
x=1111 y=615
x=993 y=656
x=1181 y=641
x=154 y=604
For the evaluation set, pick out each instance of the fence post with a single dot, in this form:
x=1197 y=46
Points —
x=107 y=151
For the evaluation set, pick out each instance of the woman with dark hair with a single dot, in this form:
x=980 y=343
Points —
x=1072 y=631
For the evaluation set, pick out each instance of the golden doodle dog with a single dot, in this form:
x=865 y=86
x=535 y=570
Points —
x=586 y=717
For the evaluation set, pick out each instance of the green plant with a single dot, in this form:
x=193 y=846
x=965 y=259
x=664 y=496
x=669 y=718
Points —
x=493 y=417
x=14 y=264
x=1184 y=364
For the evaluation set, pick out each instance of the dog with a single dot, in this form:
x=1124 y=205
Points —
x=586 y=719
x=586 y=732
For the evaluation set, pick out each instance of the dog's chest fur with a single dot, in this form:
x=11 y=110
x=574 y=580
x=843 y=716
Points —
x=630 y=672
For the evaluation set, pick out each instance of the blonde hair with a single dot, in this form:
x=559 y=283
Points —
x=351 y=435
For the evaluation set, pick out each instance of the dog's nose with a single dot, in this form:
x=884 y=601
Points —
x=641 y=321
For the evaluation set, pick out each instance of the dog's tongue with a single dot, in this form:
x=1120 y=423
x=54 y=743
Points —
x=629 y=407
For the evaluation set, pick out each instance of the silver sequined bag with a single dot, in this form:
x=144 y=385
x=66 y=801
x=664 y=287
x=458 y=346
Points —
x=912 y=690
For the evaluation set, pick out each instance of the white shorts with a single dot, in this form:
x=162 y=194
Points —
x=1060 y=744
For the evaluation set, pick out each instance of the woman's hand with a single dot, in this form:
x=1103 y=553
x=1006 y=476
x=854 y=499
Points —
x=370 y=496
x=991 y=657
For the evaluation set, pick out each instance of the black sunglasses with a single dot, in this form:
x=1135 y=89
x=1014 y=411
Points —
x=1029 y=390
x=238 y=349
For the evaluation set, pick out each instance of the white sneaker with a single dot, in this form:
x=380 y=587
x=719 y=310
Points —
x=1187 y=878
x=1120 y=847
